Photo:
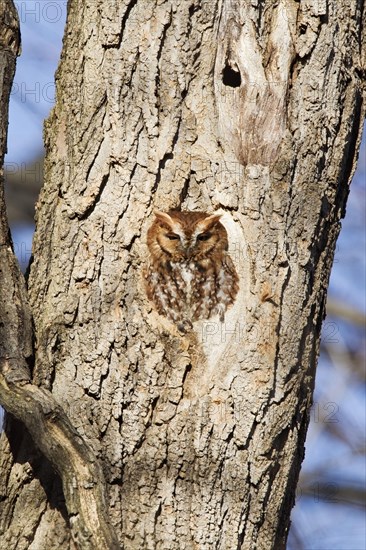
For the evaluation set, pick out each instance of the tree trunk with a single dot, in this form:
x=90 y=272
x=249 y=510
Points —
x=165 y=440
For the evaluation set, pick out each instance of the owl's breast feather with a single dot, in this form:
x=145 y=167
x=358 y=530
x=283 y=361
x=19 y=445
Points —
x=184 y=273
x=187 y=272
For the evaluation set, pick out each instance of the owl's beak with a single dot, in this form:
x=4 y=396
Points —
x=187 y=250
x=186 y=246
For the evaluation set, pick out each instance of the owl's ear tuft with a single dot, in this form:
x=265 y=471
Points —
x=164 y=218
x=209 y=222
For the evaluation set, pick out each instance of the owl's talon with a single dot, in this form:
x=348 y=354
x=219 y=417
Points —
x=185 y=326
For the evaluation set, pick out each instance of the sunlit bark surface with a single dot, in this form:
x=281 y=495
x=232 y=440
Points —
x=195 y=440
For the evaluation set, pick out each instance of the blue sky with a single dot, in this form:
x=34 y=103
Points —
x=325 y=527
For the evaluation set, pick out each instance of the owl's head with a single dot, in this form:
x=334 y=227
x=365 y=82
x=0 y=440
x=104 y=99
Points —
x=184 y=236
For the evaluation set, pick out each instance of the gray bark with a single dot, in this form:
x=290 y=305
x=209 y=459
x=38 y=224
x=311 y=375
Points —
x=29 y=489
x=254 y=109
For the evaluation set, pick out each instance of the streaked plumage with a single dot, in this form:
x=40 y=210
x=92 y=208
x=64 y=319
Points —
x=190 y=275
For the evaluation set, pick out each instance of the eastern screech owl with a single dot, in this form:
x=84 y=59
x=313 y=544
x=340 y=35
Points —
x=190 y=275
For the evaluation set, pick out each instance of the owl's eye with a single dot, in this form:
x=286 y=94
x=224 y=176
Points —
x=204 y=236
x=172 y=236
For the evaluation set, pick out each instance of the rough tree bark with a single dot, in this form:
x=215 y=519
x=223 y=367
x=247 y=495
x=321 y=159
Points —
x=139 y=433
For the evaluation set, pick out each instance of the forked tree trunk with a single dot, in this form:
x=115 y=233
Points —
x=164 y=440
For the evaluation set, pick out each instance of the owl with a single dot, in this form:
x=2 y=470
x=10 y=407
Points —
x=189 y=275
